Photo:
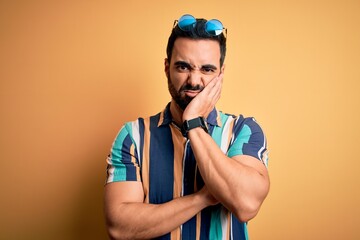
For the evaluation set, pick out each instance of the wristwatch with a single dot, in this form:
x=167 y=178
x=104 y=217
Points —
x=193 y=123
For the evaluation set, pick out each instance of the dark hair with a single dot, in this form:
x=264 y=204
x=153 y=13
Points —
x=197 y=32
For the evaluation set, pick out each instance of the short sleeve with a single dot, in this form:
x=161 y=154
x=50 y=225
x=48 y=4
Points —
x=122 y=162
x=248 y=139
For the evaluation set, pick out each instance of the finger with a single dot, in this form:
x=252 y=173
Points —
x=216 y=88
x=213 y=81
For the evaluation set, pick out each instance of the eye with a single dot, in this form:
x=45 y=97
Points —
x=207 y=70
x=183 y=68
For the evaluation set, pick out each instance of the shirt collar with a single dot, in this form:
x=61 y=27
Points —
x=166 y=118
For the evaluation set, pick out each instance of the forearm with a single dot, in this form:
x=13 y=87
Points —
x=143 y=221
x=238 y=187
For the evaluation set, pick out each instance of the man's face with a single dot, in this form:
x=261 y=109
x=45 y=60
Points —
x=193 y=64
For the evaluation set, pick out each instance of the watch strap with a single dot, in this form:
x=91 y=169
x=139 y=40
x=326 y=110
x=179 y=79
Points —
x=193 y=123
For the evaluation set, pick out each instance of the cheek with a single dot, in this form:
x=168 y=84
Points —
x=207 y=79
x=178 y=79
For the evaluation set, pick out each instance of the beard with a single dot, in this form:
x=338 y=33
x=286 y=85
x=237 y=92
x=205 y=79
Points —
x=182 y=100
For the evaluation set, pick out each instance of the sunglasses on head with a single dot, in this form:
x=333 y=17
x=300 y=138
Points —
x=213 y=27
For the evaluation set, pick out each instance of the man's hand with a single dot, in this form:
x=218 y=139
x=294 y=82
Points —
x=209 y=199
x=123 y=199
x=205 y=101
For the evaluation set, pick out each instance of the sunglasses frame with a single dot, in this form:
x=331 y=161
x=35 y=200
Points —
x=192 y=19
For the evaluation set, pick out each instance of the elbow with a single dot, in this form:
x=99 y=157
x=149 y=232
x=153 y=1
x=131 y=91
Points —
x=245 y=216
x=248 y=207
x=247 y=211
x=115 y=233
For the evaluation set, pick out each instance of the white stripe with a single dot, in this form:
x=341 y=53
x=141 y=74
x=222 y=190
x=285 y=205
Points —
x=183 y=168
x=225 y=135
x=182 y=179
x=111 y=168
x=233 y=135
x=136 y=137
x=262 y=149
x=110 y=173
x=231 y=227
x=224 y=222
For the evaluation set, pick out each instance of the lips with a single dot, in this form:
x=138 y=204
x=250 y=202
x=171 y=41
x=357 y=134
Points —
x=191 y=93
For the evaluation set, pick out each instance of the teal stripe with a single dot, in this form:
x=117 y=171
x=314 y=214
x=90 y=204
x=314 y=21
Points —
x=218 y=131
x=215 y=224
x=116 y=158
x=128 y=127
x=243 y=137
x=246 y=232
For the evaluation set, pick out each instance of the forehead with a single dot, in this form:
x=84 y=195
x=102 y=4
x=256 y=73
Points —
x=196 y=51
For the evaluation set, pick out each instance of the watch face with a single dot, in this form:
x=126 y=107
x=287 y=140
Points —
x=193 y=123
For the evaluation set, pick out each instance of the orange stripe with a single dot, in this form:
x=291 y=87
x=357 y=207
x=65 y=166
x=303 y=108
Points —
x=198 y=216
x=218 y=119
x=228 y=225
x=175 y=234
x=146 y=158
x=161 y=119
x=179 y=142
x=133 y=160
x=231 y=127
x=198 y=226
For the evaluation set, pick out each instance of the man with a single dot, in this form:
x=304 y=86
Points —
x=191 y=171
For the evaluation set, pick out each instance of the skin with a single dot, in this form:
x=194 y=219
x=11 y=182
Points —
x=240 y=183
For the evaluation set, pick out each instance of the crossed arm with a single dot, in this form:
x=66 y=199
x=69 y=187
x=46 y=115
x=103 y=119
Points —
x=127 y=217
x=240 y=183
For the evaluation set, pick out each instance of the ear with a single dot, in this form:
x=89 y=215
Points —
x=167 y=67
x=222 y=69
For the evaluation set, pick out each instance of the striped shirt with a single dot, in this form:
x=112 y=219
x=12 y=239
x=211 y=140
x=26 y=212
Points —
x=153 y=150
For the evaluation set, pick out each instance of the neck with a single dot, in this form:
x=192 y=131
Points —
x=176 y=112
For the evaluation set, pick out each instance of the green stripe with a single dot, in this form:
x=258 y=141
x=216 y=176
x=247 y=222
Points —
x=215 y=224
x=246 y=232
x=128 y=127
x=218 y=131
x=242 y=138
x=120 y=169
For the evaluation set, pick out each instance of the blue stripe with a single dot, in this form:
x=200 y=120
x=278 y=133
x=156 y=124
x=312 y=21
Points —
x=189 y=229
x=239 y=229
x=239 y=122
x=161 y=169
x=189 y=171
x=130 y=172
x=205 y=223
x=116 y=156
x=256 y=140
x=141 y=131
x=249 y=140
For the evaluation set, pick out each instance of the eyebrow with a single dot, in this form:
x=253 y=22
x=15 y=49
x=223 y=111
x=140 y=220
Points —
x=182 y=63
x=209 y=66
x=186 y=64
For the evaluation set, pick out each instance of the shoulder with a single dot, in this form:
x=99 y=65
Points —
x=239 y=121
x=137 y=126
x=248 y=138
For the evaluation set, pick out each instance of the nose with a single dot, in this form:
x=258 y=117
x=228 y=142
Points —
x=195 y=78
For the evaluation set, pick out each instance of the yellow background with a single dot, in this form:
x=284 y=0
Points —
x=72 y=72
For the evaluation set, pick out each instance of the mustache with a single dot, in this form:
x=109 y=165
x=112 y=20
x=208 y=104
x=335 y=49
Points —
x=190 y=87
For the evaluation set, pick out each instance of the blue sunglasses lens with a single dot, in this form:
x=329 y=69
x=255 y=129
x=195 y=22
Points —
x=214 y=27
x=186 y=22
